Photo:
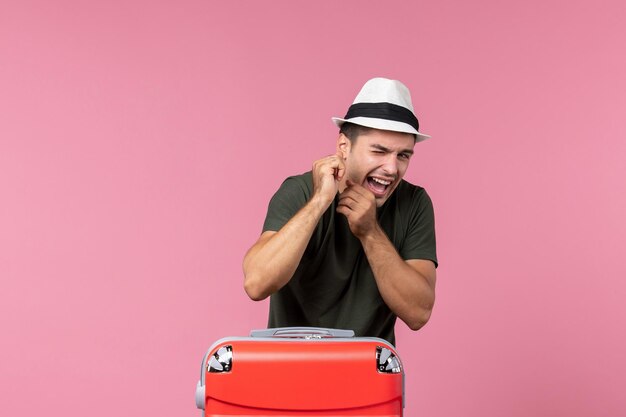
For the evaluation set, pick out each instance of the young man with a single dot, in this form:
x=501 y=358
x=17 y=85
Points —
x=350 y=244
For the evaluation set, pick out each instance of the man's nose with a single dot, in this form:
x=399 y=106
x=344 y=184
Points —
x=391 y=164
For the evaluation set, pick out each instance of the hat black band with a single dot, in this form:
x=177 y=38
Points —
x=385 y=111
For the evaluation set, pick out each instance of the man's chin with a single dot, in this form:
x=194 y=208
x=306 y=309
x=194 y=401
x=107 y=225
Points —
x=380 y=200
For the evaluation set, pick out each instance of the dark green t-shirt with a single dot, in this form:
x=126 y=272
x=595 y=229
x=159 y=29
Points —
x=334 y=285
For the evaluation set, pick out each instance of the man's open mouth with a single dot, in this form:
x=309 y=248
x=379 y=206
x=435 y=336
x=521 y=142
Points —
x=378 y=186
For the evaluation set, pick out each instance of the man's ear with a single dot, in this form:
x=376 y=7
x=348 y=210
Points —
x=343 y=146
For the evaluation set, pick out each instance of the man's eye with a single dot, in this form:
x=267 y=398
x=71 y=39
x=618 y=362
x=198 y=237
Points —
x=404 y=156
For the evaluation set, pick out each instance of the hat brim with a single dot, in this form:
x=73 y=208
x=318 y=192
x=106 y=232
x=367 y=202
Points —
x=382 y=124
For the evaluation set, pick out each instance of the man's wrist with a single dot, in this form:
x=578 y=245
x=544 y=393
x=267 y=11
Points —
x=320 y=203
x=374 y=234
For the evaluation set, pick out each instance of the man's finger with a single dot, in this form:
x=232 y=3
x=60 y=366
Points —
x=347 y=201
x=340 y=170
x=344 y=210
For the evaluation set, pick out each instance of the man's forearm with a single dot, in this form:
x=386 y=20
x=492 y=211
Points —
x=273 y=260
x=407 y=289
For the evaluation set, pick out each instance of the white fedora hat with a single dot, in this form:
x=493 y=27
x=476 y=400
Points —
x=386 y=105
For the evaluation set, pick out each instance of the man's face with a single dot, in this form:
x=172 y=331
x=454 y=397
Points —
x=377 y=160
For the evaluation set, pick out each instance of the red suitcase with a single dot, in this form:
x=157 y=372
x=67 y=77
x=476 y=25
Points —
x=301 y=372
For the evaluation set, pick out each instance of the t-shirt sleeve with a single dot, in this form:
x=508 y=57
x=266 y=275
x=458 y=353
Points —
x=420 y=241
x=286 y=202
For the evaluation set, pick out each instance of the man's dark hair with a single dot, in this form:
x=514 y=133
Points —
x=353 y=131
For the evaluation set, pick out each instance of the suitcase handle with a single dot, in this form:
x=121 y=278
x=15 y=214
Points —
x=302 y=332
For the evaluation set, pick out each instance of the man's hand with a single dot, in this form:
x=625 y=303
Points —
x=358 y=204
x=327 y=172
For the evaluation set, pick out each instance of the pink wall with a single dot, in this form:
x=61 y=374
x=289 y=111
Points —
x=140 y=142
